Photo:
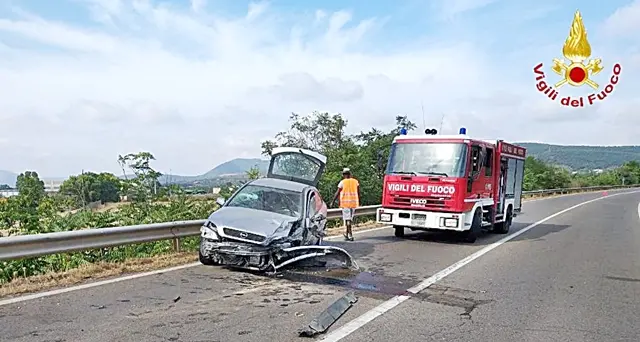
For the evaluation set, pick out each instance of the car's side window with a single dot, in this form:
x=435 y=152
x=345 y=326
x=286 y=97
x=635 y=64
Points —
x=313 y=205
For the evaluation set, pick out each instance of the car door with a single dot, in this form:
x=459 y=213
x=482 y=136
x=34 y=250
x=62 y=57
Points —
x=315 y=205
x=298 y=165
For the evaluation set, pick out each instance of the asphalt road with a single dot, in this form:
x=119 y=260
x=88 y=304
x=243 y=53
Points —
x=573 y=277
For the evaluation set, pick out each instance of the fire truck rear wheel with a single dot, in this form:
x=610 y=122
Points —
x=476 y=227
x=399 y=231
x=503 y=227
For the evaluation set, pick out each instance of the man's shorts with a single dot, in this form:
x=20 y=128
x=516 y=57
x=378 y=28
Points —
x=348 y=213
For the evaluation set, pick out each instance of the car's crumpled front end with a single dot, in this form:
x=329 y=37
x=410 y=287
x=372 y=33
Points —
x=286 y=242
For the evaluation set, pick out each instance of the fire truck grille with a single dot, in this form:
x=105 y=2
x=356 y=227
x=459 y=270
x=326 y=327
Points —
x=426 y=201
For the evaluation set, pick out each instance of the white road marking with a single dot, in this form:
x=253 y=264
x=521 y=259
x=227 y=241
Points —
x=638 y=210
x=383 y=308
x=133 y=276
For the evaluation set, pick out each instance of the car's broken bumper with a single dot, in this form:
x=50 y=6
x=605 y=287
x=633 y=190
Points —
x=263 y=258
x=237 y=254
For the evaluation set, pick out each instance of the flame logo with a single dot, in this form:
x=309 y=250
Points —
x=577 y=49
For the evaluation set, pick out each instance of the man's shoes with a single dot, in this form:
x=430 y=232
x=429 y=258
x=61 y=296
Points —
x=348 y=237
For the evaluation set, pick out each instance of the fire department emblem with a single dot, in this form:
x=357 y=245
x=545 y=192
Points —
x=576 y=69
x=577 y=50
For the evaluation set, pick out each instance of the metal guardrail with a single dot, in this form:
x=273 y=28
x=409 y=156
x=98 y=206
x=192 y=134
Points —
x=563 y=191
x=26 y=246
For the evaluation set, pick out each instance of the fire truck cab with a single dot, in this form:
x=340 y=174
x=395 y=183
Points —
x=452 y=182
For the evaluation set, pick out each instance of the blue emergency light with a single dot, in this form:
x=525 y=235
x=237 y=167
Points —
x=463 y=130
x=403 y=131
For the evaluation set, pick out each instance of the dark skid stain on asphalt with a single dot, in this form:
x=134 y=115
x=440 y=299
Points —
x=368 y=282
x=358 y=280
x=454 y=297
x=632 y=280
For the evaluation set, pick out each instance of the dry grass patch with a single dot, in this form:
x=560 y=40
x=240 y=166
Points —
x=90 y=272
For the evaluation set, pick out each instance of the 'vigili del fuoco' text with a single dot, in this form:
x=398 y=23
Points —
x=580 y=101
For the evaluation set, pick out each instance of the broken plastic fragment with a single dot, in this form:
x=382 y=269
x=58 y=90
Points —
x=329 y=316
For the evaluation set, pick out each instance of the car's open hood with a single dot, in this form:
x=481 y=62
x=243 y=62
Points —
x=264 y=223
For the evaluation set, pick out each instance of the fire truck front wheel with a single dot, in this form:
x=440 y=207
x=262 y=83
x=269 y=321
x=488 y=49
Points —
x=399 y=231
x=471 y=235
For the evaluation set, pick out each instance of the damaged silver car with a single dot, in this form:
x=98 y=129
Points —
x=272 y=222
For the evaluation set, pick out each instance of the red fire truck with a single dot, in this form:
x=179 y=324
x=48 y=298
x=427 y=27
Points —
x=452 y=182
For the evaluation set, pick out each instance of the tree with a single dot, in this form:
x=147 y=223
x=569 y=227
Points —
x=316 y=132
x=539 y=175
x=373 y=151
x=31 y=192
x=253 y=173
x=365 y=154
x=30 y=186
x=145 y=184
x=91 y=187
x=5 y=187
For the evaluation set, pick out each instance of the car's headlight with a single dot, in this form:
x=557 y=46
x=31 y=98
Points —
x=209 y=231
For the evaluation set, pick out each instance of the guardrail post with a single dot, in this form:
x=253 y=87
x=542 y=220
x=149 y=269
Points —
x=176 y=245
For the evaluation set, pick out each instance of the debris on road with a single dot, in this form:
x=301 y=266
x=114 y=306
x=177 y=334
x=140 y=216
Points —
x=175 y=300
x=329 y=316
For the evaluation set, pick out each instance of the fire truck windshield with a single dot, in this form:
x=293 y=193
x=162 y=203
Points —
x=441 y=159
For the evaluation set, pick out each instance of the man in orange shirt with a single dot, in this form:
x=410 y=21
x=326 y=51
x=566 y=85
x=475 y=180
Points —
x=349 y=193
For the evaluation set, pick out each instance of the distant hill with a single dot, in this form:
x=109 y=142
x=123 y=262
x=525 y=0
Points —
x=231 y=169
x=8 y=178
x=577 y=157
x=236 y=166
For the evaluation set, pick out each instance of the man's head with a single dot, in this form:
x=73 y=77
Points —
x=346 y=173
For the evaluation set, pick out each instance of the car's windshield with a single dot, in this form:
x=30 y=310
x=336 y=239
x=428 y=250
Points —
x=274 y=200
x=444 y=159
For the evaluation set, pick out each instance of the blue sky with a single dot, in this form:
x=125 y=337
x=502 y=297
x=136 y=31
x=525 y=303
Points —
x=87 y=80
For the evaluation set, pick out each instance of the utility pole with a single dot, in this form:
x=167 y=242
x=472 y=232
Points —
x=424 y=122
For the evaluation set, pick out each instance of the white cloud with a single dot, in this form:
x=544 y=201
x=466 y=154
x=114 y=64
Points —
x=197 y=88
x=198 y=5
x=625 y=21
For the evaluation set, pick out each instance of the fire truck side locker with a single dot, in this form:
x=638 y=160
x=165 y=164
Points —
x=510 y=187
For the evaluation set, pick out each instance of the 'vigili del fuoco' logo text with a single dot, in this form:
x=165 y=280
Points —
x=577 y=71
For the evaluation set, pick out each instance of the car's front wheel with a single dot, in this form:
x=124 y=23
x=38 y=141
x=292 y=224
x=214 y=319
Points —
x=204 y=259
